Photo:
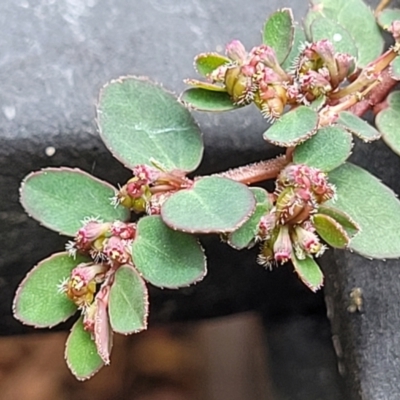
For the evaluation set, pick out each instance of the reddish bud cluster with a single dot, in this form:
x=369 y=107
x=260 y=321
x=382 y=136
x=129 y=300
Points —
x=257 y=76
x=287 y=229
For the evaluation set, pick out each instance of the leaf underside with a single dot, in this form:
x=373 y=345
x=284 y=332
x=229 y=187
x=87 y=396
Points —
x=200 y=99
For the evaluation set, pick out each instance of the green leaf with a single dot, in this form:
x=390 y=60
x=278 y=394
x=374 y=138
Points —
x=318 y=103
x=167 y=258
x=244 y=236
x=387 y=16
x=128 y=304
x=279 y=33
x=395 y=69
x=81 y=353
x=358 y=126
x=342 y=218
x=357 y=18
x=206 y=100
x=38 y=300
x=61 y=198
x=388 y=122
x=298 y=40
x=325 y=28
x=326 y=150
x=292 y=128
x=205 y=85
x=140 y=121
x=373 y=206
x=206 y=63
x=330 y=231
x=309 y=272
x=212 y=204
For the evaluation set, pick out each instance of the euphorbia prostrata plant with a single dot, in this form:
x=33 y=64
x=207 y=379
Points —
x=312 y=82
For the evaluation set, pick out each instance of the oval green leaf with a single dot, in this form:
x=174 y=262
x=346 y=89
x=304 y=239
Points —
x=39 y=302
x=325 y=28
x=342 y=218
x=212 y=204
x=278 y=33
x=395 y=69
x=309 y=272
x=387 y=16
x=298 y=40
x=128 y=305
x=140 y=121
x=61 y=198
x=205 y=63
x=358 y=126
x=357 y=18
x=326 y=150
x=330 y=231
x=167 y=258
x=81 y=353
x=207 y=100
x=388 y=122
x=244 y=236
x=292 y=128
x=373 y=206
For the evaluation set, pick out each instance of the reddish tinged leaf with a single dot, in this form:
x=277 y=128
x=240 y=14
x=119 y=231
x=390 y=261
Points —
x=330 y=231
x=102 y=333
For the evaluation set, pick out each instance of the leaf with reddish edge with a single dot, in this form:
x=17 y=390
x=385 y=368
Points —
x=388 y=121
x=326 y=150
x=358 y=126
x=309 y=272
x=61 y=198
x=128 y=306
x=293 y=128
x=373 y=206
x=81 y=353
x=212 y=204
x=347 y=223
x=205 y=63
x=330 y=231
x=278 y=33
x=200 y=99
x=39 y=301
x=139 y=121
x=244 y=237
x=167 y=258
x=103 y=335
x=205 y=85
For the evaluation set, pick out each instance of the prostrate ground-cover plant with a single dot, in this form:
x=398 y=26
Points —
x=313 y=82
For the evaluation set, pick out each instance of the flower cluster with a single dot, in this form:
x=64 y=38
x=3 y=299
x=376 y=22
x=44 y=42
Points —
x=149 y=189
x=108 y=244
x=287 y=229
x=257 y=76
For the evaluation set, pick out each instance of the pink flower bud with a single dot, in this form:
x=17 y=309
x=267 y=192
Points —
x=283 y=246
x=145 y=174
x=91 y=231
x=266 y=225
x=307 y=240
x=118 y=250
x=395 y=30
x=345 y=65
x=81 y=285
x=123 y=230
x=236 y=51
